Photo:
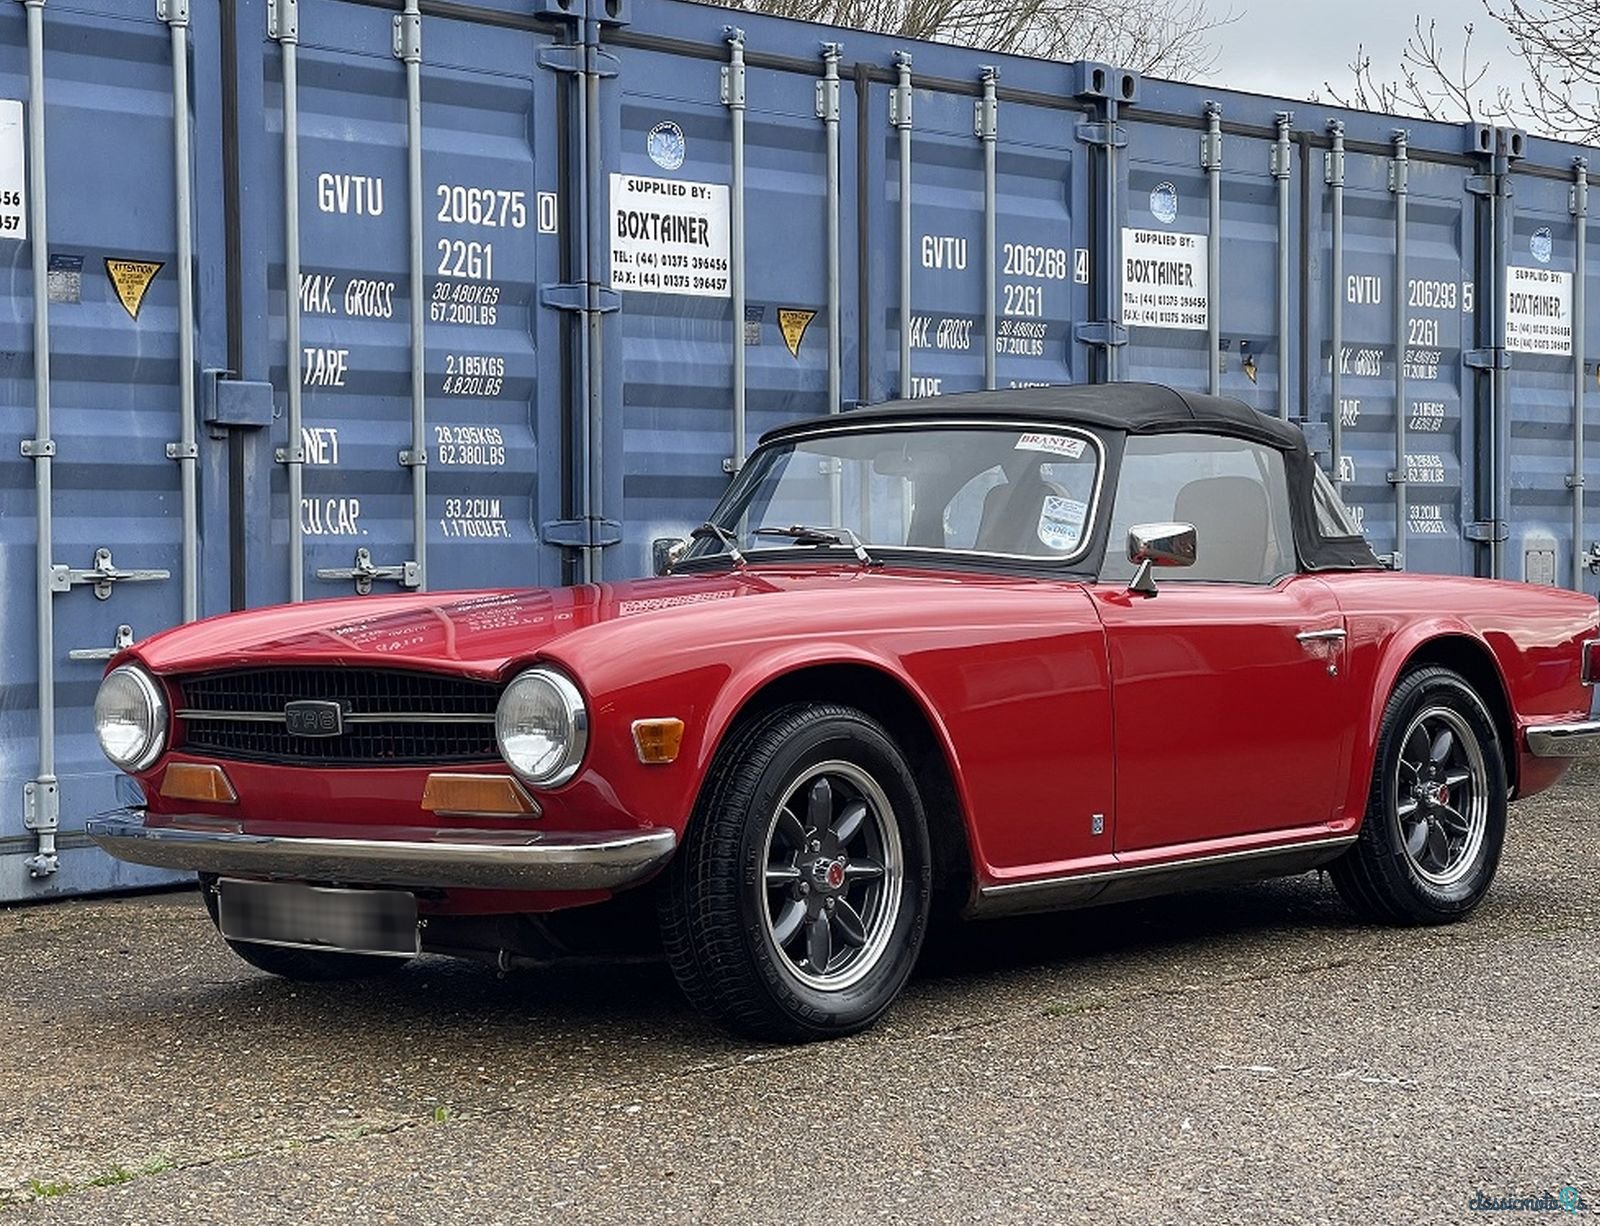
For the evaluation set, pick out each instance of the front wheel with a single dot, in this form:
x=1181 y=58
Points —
x=1436 y=814
x=798 y=902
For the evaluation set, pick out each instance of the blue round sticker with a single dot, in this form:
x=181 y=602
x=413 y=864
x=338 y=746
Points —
x=1541 y=244
x=1164 y=203
x=666 y=145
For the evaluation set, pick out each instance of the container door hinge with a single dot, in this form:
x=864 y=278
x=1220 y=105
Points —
x=1487 y=359
x=407 y=42
x=1106 y=135
x=407 y=574
x=41 y=813
x=581 y=533
x=1104 y=333
x=1486 y=531
x=123 y=640
x=102 y=575
x=283 y=20
x=580 y=60
x=576 y=296
x=986 y=119
x=1319 y=436
x=226 y=401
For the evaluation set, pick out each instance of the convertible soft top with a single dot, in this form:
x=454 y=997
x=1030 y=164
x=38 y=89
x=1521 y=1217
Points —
x=1132 y=408
x=1137 y=408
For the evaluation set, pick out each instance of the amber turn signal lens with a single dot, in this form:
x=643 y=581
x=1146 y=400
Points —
x=657 y=740
x=478 y=796
x=195 y=781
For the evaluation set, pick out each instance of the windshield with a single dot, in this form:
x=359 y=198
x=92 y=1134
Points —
x=1003 y=491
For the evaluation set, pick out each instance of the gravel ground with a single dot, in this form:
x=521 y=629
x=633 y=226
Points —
x=1249 y=1054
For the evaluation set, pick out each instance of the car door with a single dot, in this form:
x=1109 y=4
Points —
x=1230 y=710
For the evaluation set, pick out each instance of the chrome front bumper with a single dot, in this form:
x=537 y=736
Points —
x=1580 y=740
x=402 y=856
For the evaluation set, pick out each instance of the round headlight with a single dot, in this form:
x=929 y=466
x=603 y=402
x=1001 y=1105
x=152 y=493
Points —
x=130 y=718
x=542 y=727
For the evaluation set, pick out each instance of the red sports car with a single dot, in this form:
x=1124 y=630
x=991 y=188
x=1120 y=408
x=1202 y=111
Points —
x=919 y=655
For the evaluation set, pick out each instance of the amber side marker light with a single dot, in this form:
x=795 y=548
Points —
x=478 y=796
x=193 y=781
x=657 y=740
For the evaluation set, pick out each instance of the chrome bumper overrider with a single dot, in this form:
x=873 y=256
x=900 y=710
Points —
x=481 y=859
x=1565 y=740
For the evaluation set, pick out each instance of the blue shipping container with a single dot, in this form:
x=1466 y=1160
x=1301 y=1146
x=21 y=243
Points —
x=307 y=298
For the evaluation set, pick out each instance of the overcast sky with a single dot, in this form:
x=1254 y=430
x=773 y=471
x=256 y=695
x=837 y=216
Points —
x=1292 y=47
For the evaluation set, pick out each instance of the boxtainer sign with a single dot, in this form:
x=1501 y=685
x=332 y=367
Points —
x=1164 y=279
x=669 y=236
x=1538 y=310
x=13 y=213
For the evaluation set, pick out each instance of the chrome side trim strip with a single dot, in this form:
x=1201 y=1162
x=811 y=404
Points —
x=1580 y=740
x=1144 y=880
x=370 y=717
x=409 y=856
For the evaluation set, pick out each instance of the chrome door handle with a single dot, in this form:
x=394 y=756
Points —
x=1320 y=636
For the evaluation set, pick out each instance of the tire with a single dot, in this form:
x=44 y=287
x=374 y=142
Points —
x=1436 y=813
x=300 y=965
x=809 y=849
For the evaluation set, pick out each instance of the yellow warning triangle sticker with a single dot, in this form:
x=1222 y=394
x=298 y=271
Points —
x=131 y=278
x=794 y=323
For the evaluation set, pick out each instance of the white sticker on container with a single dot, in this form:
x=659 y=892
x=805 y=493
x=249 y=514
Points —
x=1538 y=310
x=1164 y=279
x=669 y=237
x=1055 y=444
x=1061 y=522
x=13 y=179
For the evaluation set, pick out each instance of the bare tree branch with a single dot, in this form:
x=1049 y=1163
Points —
x=1557 y=42
x=1168 y=38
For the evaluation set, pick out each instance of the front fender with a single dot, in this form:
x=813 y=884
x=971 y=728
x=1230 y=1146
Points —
x=1389 y=644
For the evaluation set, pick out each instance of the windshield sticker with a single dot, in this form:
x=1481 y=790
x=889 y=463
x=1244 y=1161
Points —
x=1061 y=522
x=1055 y=444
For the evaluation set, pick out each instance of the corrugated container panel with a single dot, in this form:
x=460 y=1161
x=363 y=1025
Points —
x=492 y=414
x=108 y=91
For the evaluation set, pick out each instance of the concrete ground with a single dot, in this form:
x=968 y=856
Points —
x=1250 y=1054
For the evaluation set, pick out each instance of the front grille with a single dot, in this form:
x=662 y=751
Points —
x=390 y=718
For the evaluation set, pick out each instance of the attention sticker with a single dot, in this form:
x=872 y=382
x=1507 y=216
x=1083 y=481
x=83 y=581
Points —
x=131 y=279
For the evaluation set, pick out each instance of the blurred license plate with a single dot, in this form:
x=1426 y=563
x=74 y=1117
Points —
x=315 y=917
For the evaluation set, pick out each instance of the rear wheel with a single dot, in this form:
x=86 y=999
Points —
x=301 y=965
x=1436 y=814
x=797 y=905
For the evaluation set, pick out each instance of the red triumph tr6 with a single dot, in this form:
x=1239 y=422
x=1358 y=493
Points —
x=1008 y=651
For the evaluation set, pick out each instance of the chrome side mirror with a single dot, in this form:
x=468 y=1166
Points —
x=665 y=551
x=1152 y=545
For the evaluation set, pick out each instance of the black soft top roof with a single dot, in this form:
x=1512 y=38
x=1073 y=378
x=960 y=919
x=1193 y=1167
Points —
x=1138 y=408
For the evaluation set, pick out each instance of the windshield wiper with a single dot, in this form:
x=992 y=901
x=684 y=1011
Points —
x=804 y=534
x=719 y=533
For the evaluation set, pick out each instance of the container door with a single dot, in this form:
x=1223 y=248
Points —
x=1204 y=223
x=120 y=536
x=1548 y=388
x=405 y=483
